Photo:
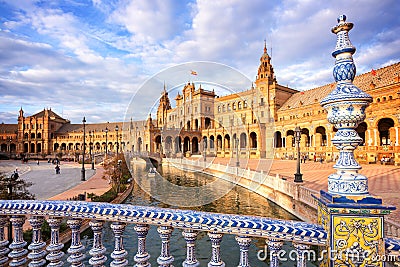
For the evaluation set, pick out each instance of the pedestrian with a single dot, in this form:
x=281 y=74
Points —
x=57 y=169
x=315 y=158
x=37 y=162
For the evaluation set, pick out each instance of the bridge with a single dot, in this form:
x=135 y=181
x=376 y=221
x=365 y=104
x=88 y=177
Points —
x=350 y=222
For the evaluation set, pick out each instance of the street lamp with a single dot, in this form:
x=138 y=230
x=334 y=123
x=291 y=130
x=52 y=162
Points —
x=204 y=148
x=9 y=147
x=298 y=177
x=83 y=151
x=116 y=130
x=91 y=135
x=106 y=131
x=237 y=152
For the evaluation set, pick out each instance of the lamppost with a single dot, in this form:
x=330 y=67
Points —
x=237 y=152
x=91 y=136
x=9 y=146
x=116 y=130
x=106 y=131
x=10 y=185
x=83 y=151
x=204 y=149
x=298 y=177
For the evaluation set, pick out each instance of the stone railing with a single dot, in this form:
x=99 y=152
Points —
x=296 y=191
x=302 y=235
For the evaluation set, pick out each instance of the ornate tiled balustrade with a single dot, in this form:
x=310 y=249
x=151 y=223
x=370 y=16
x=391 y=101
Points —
x=190 y=222
x=296 y=190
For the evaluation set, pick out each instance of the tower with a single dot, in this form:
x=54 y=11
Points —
x=163 y=107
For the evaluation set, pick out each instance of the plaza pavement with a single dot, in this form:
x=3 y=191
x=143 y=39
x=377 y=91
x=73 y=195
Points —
x=383 y=180
x=49 y=185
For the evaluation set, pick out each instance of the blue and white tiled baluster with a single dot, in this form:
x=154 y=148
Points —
x=190 y=238
x=301 y=251
x=165 y=259
x=76 y=249
x=346 y=106
x=274 y=247
x=55 y=254
x=18 y=252
x=3 y=241
x=119 y=254
x=97 y=252
x=244 y=244
x=216 y=240
x=142 y=256
x=37 y=246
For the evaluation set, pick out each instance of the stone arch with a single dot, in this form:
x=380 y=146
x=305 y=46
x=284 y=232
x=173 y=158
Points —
x=386 y=131
x=277 y=139
x=320 y=136
x=290 y=137
x=219 y=142
x=157 y=141
x=39 y=135
x=186 y=144
x=227 y=141
x=361 y=129
x=253 y=140
x=212 y=143
x=195 y=145
x=243 y=140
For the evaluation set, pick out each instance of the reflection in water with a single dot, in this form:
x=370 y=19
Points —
x=238 y=201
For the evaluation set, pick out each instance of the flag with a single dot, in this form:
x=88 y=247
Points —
x=193 y=72
x=373 y=72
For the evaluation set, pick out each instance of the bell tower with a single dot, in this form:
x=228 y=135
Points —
x=163 y=107
x=265 y=74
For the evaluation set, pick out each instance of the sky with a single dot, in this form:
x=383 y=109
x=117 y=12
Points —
x=92 y=57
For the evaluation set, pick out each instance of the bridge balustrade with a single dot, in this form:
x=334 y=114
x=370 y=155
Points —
x=301 y=234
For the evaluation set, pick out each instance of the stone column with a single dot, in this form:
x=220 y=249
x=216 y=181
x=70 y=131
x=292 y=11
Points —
x=274 y=246
x=216 y=239
x=190 y=238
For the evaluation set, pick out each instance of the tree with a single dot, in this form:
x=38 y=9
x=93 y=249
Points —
x=14 y=187
x=117 y=171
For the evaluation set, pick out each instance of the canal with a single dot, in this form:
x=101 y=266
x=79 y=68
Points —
x=237 y=201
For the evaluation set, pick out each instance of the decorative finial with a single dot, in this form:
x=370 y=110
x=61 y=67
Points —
x=346 y=106
x=265 y=45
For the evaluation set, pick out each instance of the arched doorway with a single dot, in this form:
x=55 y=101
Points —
x=227 y=142
x=277 y=139
x=361 y=129
x=384 y=127
x=243 y=141
x=212 y=146
x=186 y=144
x=253 y=140
x=158 y=143
x=290 y=138
x=219 y=142
x=195 y=145
x=139 y=144
x=178 y=146
x=320 y=136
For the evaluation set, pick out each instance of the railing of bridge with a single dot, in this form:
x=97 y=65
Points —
x=299 y=192
x=301 y=234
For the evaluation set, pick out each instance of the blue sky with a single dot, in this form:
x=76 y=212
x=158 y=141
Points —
x=89 y=58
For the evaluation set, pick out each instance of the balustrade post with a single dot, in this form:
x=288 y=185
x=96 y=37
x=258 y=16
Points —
x=302 y=250
x=165 y=259
x=119 y=254
x=55 y=254
x=3 y=241
x=98 y=250
x=216 y=240
x=37 y=246
x=190 y=238
x=244 y=244
x=274 y=246
x=142 y=256
x=18 y=252
x=75 y=250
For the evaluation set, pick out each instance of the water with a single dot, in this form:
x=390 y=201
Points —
x=238 y=201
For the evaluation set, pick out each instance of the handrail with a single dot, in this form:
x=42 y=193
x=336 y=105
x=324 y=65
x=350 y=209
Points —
x=196 y=220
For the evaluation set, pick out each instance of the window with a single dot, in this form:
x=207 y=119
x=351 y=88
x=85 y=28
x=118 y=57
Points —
x=262 y=101
x=229 y=107
x=239 y=105
x=262 y=114
x=245 y=104
x=219 y=109
x=234 y=106
x=223 y=108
